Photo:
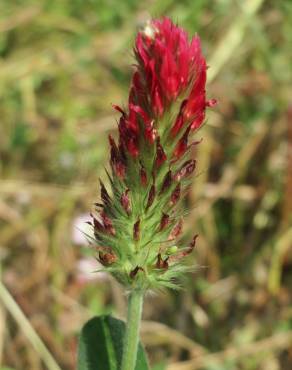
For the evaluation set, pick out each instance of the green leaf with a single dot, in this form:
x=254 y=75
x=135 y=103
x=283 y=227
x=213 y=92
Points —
x=101 y=345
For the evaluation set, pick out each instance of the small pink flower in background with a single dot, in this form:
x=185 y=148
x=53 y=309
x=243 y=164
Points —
x=86 y=271
x=87 y=267
x=81 y=230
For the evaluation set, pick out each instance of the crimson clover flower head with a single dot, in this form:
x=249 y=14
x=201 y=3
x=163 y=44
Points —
x=138 y=224
x=167 y=64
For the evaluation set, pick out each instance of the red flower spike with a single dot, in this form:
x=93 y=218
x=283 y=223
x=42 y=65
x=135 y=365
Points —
x=151 y=158
x=175 y=195
x=151 y=196
x=164 y=222
x=136 y=230
x=125 y=201
x=186 y=169
x=160 y=155
x=169 y=64
x=166 y=182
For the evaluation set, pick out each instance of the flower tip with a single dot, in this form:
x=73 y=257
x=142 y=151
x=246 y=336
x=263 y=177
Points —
x=149 y=30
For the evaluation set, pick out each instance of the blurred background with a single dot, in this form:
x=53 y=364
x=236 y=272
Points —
x=62 y=64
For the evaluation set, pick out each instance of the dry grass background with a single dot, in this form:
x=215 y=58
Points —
x=62 y=64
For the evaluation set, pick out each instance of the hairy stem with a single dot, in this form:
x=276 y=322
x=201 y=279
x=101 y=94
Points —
x=135 y=303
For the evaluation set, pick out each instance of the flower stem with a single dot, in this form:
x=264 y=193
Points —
x=135 y=303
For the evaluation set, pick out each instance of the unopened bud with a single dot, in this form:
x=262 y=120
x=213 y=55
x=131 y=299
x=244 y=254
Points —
x=164 y=222
x=185 y=252
x=160 y=154
x=134 y=272
x=125 y=201
x=143 y=175
x=182 y=145
x=136 y=230
x=108 y=225
x=107 y=258
x=186 y=169
x=160 y=263
x=175 y=232
x=104 y=194
x=175 y=195
x=98 y=226
x=116 y=160
x=151 y=196
x=166 y=182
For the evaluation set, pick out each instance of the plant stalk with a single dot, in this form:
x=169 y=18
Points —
x=135 y=303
